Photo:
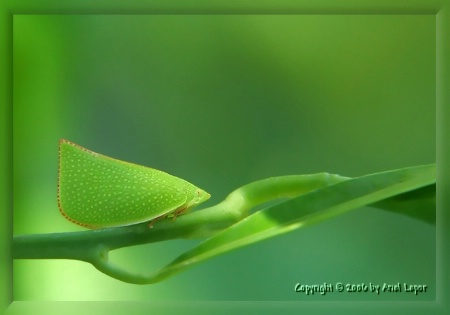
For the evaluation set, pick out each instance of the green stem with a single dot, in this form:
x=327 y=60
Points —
x=88 y=245
x=410 y=191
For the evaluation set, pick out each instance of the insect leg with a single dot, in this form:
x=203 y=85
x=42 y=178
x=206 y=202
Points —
x=150 y=225
x=178 y=212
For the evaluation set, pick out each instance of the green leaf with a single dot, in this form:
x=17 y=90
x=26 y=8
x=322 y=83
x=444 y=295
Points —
x=419 y=203
x=310 y=208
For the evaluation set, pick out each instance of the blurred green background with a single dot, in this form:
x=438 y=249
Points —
x=222 y=101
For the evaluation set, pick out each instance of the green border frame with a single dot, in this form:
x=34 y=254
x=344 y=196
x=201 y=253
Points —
x=440 y=8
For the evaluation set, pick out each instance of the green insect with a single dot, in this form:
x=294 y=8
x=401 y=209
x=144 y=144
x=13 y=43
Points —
x=96 y=191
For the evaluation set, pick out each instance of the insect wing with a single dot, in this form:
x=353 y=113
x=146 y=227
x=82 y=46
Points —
x=98 y=191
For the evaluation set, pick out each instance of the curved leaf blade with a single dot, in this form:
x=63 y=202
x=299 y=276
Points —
x=304 y=210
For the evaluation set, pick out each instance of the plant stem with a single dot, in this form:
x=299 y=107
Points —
x=87 y=245
x=411 y=191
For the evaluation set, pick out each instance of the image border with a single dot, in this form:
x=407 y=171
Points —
x=441 y=9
